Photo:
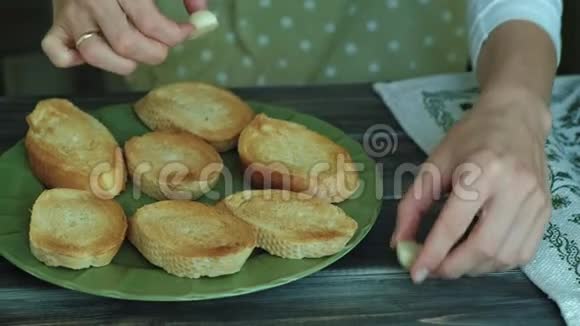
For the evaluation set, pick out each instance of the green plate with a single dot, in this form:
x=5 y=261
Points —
x=130 y=276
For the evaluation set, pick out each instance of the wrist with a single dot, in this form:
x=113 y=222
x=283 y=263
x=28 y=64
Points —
x=521 y=104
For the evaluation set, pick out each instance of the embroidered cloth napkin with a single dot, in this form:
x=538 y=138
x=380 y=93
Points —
x=427 y=107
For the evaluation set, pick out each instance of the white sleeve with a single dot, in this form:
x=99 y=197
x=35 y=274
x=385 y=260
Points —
x=485 y=15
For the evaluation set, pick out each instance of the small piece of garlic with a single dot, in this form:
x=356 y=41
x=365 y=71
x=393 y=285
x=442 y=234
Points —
x=407 y=252
x=204 y=22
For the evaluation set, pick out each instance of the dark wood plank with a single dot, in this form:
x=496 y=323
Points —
x=367 y=286
x=570 y=32
x=13 y=14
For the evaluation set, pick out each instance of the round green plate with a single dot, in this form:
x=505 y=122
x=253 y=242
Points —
x=130 y=276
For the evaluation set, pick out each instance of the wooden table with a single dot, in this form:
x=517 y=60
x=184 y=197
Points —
x=367 y=287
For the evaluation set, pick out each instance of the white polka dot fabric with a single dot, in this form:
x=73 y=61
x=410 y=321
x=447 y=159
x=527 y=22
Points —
x=265 y=42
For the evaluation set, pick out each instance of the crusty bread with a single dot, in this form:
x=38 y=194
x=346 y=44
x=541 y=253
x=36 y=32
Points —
x=190 y=239
x=74 y=229
x=285 y=155
x=213 y=114
x=172 y=165
x=290 y=225
x=68 y=148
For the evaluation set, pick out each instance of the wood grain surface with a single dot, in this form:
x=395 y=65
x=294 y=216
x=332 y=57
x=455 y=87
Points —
x=367 y=287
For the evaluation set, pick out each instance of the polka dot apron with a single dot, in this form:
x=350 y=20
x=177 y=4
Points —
x=274 y=42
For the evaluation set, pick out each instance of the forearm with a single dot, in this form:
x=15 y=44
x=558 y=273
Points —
x=515 y=48
x=516 y=69
x=518 y=56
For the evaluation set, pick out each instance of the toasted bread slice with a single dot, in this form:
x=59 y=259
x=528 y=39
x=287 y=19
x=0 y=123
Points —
x=74 y=229
x=285 y=155
x=211 y=113
x=172 y=165
x=292 y=225
x=190 y=239
x=68 y=148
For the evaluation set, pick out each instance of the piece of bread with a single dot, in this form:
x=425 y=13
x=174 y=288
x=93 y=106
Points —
x=74 y=229
x=172 y=165
x=290 y=225
x=68 y=148
x=190 y=239
x=213 y=114
x=285 y=155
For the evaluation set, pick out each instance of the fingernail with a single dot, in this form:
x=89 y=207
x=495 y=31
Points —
x=195 y=5
x=420 y=275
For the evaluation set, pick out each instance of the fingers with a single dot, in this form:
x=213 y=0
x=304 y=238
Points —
x=148 y=19
x=511 y=252
x=98 y=53
x=431 y=182
x=477 y=255
x=494 y=244
x=56 y=46
x=121 y=44
x=195 y=5
x=127 y=41
x=496 y=229
x=470 y=192
x=486 y=267
x=532 y=242
x=426 y=188
x=451 y=225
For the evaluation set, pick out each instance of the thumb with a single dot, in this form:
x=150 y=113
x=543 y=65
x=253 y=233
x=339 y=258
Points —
x=56 y=47
x=432 y=182
x=195 y=5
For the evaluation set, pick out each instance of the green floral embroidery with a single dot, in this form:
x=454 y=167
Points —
x=562 y=181
x=435 y=104
x=574 y=159
x=553 y=156
x=575 y=219
x=466 y=106
x=559 y=202
x=567 y=249
x=572 y=117
x=553 y=152
x=565 y=140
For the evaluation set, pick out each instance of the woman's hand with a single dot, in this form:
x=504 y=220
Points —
x=130 y=32
x=493 y=164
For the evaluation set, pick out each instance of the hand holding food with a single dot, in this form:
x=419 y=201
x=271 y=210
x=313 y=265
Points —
x=117 y=35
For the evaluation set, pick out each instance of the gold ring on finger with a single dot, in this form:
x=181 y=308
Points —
x=85 y=37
